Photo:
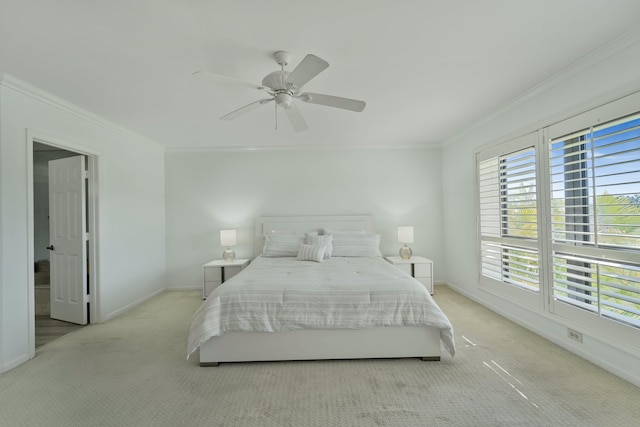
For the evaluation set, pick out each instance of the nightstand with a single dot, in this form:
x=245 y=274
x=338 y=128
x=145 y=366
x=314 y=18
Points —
x=214 y=273
x=419 y=267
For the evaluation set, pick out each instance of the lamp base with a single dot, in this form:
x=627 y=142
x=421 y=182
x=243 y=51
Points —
x=405 y=252
x=228 y=255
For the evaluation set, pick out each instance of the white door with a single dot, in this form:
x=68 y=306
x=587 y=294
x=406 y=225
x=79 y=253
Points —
x=67 y=228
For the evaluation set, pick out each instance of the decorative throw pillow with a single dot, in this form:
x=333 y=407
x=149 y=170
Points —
x=351 y=245
x=311 y=253
x=281 y=245
x=325 y=240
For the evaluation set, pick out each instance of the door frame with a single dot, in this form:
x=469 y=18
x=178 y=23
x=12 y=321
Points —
x=92 y=161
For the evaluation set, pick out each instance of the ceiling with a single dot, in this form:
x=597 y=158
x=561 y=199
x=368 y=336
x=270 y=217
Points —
x=427 y=69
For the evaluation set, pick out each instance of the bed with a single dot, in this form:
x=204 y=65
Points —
x=350 y=306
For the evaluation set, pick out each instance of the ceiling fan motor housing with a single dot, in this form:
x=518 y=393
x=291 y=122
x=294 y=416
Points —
x=276 y=80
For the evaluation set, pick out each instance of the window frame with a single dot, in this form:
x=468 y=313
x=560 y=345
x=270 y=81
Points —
x=610 y=112
x=531 y=298
x=544 y=301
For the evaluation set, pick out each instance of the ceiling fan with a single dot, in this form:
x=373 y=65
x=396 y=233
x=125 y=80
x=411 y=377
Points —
x=284 y=86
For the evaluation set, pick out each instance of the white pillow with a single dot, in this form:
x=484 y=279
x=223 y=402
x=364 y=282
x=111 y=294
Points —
x=348 y=245
x=334 y=231
x=327 y=241
x=311 y=253
x=281 y=245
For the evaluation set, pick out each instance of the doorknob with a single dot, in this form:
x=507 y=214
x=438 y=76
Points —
x=50 y=247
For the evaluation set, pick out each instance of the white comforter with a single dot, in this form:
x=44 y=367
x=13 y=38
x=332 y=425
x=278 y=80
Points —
x=283 y=294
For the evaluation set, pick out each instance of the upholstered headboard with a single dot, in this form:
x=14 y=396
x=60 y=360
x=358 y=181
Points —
x=304 y=224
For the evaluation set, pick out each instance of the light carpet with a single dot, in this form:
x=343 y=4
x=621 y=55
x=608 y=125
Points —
x=131 y=371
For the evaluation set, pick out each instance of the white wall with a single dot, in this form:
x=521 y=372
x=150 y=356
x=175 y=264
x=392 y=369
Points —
x=131 y=228
x=607 y=74
x=209 y=191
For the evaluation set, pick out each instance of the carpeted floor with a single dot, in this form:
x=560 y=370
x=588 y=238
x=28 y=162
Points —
x=131 y=371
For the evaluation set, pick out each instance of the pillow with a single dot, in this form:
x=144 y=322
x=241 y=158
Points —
x=333 y=231
x=281 y=245
x=356 y=245
x=314 y=239
x=311 y=253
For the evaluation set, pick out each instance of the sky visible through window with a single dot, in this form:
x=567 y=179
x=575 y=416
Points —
x=617 y=158
x=611 y=155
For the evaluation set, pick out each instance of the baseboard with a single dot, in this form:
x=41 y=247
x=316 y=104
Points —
x=132 y=305
x=185 y=288
x=593 y=358
x=14 y=363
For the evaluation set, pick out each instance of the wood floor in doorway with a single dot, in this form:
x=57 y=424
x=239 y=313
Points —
x=48 y=329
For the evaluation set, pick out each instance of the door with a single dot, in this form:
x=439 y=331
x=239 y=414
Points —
x=67 y=232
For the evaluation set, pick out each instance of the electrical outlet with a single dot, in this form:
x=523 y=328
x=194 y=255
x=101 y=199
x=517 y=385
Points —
x=574 y=335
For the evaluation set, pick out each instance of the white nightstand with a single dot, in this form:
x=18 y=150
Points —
x=214 y=273
x=419 y=267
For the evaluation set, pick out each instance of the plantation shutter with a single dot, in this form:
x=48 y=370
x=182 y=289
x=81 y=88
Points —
x=508 y=217
x=595 y=219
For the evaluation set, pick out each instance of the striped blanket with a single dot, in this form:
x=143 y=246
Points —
x=283 y=294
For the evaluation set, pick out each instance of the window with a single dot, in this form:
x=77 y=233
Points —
x=559 y=219
x=595 y=219
x=508 y=218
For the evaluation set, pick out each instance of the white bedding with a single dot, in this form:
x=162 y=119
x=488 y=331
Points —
x=283 y=294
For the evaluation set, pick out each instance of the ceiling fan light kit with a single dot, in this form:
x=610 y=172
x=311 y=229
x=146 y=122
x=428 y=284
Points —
x=284 y=100
x=285 y=86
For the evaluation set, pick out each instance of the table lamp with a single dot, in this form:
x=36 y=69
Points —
x=405 y=235
x=228 y=239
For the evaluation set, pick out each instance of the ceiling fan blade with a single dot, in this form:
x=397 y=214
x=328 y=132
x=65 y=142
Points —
x=296 y=119
x=224 y=79
x=242 y=110
x=308 y=68
x=333 y=101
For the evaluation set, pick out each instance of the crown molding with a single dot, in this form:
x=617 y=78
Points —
x=314 y=147
x=15 y=84
x=613 y=47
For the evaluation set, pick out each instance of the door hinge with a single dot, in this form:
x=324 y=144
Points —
x=85 y=174
x=86 y=236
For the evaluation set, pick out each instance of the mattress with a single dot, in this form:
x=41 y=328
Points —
x=284 y=294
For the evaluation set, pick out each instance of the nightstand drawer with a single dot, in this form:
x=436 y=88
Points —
x=426 y=281
x=213 y=274
x=422 y=270
x=231 y=271
x=419 y=267
x=407 y=268
x=210 y=286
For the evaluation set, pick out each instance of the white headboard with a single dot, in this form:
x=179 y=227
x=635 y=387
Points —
x=304 y=224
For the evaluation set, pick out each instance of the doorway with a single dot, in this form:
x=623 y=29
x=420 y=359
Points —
x=43 y=327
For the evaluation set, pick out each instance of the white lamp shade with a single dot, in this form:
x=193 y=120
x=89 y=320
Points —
x=227 y=237
x=405 y=234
